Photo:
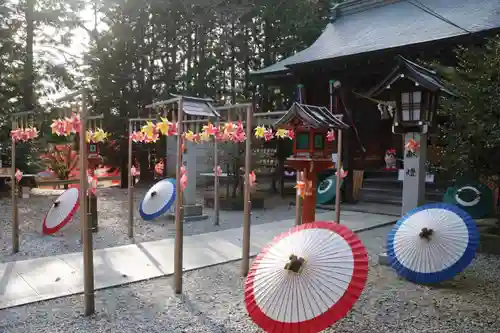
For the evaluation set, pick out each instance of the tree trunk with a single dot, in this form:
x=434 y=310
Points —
x=28 y=96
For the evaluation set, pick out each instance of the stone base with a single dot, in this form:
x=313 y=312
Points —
x=191 y=213
x=383 y=259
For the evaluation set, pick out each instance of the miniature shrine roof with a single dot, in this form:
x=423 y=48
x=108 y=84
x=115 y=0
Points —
x=314 y=116
x=424 y=77
x=362 y=26
x=200 y=107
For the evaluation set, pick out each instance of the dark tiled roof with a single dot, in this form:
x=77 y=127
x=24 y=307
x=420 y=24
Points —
x=371 y=25
x=415 y=72
x=314 y=116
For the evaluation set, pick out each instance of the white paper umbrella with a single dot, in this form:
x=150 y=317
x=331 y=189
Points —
x=158 y=199
x=306 y=279
x=432 y=243
x=61 y=212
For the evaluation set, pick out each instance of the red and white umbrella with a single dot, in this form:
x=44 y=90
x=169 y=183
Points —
x=61 y=212
x=306 y=279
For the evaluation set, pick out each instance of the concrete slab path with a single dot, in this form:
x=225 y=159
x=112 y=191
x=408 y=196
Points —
x=29 y=281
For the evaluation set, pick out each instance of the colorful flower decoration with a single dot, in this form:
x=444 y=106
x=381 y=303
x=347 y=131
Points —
x=134 y=172
x=252 y=178
x=24 y=134
x=282 y=133
x=149 y=129
x=184 y=178
x=412 y=146
x=18 y=175
x=303 y=186
x=259 y=132
x=96 y=137
x=163 y=126
x=218 y=170
x=268 y=134
x=291 y=134
x=137 y=136
x=330 y=136
x=66 y=126
x=343 y=173
x=210 y=129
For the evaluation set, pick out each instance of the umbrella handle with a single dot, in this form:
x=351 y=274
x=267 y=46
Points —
x=57 y=203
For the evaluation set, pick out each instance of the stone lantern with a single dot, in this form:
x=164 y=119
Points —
x=416 y=91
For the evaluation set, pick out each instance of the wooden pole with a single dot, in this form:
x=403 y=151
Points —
x=15 y=215
x=248 y=203
x=88 y=260
x=216 y=181
x=338 y=167
x=298 y=202
x=130 y=185
x=179 y=219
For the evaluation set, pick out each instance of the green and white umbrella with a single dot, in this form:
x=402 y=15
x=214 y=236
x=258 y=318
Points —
x=471 y=196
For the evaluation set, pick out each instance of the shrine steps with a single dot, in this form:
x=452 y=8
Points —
x=383 y=187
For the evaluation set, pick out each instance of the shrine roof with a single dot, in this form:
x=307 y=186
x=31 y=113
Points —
x=313 y=116
x=200 y=107
x=419 y=74
x=363 y=26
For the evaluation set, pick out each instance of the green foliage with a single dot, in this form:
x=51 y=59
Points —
x=471 y=134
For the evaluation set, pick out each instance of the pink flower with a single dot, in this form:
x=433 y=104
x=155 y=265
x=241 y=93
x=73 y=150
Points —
x=252 y=179
x=18 y=175
x=218 y=170
x=330 y=136
x=268 y=134
x=291 y=134
x=16 y=134
x=343 y=173
x=184 y=182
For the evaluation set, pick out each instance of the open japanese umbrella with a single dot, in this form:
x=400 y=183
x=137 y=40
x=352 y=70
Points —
x=158 y=199
x=327 y=190
x=306 y=279
x=432 y=243
x=62 y=211
x=473 y=197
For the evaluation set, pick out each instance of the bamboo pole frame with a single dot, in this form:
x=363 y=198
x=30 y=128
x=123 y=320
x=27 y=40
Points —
x=88 y=254
x=338 y=166
x=247 y=196
x=18 y=119
x=130 y=195
x=179 y=218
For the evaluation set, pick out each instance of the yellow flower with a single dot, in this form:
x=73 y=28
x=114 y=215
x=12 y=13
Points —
x=163 y=126
x=88 y=135
x=189 y=135
x=282 y=133
x=149 y=129
x=99 y=135
x=259 y=131
x=204 y=136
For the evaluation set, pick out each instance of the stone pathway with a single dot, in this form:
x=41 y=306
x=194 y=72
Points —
x=28 y=281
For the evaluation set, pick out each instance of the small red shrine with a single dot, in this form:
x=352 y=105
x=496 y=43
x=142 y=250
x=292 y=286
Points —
x=311 y=152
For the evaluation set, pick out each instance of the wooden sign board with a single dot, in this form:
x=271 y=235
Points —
x=93 y=150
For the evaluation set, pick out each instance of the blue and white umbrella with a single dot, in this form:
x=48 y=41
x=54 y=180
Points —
x=158 y=200
x=432 y=243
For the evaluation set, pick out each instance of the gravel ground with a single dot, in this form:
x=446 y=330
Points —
x=213 y=302
x=113 y=217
